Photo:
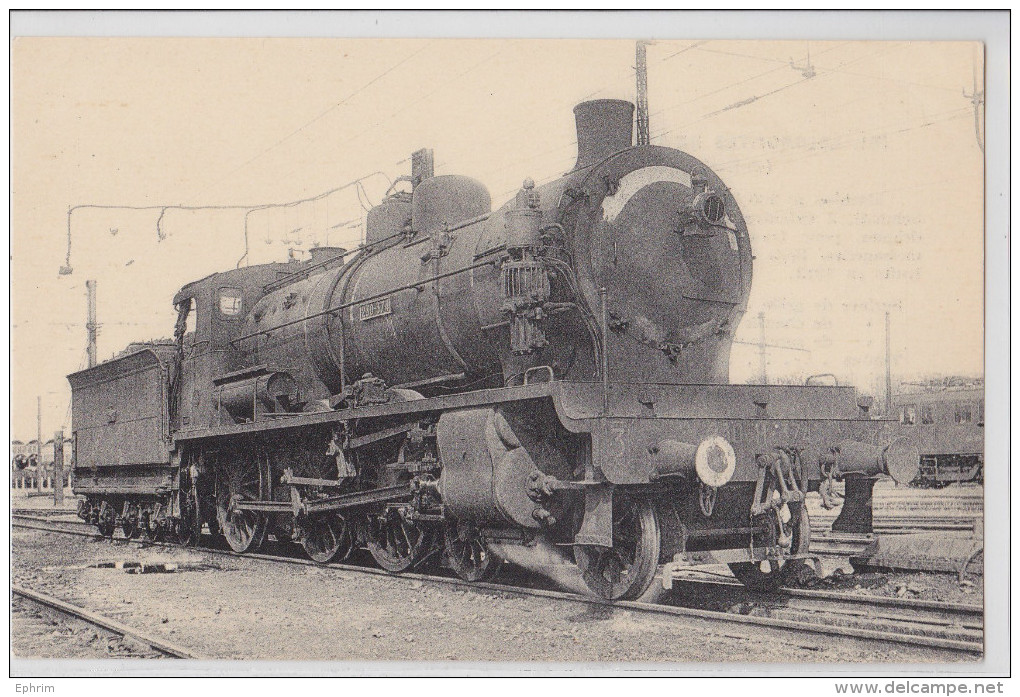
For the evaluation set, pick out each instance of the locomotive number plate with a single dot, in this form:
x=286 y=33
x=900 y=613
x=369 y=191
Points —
x=376 y=308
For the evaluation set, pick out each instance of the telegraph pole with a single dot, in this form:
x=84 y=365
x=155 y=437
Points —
x=38 y=446
x=91 y=324
x=643 y=133
x=762 y=347
x=58 y=468
x=888 y=368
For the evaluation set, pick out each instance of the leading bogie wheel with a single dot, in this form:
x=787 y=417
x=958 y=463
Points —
x=625 y=570
x=468 y=555
x=241 y=478
x=770 y=575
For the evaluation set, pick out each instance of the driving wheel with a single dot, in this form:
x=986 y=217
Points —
x=327 y=538
x=244 y=477
x=396 y=544
x=625 y=570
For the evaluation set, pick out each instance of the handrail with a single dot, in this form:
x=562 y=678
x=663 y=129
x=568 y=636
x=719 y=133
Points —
x=370 y=298
x=291 y=277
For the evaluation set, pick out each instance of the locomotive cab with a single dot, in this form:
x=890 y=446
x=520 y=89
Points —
x=218 y=306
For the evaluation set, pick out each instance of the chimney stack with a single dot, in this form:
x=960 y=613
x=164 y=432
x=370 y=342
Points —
x=604 y=127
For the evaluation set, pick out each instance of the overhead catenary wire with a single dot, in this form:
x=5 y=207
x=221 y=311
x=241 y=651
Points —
x=573 y=143
x=378 y=133
x=780 y=65
x=327 y=111
x=825 y=72
x=784 y=65
x=629 y=74
x=699 y=46
x=835 y=143
x=895 y=47
x=248 y=208
x=830 y=144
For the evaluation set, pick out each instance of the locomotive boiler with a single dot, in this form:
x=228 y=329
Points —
x=553 y=371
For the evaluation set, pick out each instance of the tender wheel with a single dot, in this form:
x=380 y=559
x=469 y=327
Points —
x=772 y=576
x=153 y=528
x=625 y=570
x=469 y=557
x=130 y=524
x=395 y=543
x=241 y=479
x=107 y=522
x=327 y=538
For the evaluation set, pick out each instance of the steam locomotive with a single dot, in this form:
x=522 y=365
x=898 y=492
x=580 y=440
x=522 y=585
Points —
x=554 y=371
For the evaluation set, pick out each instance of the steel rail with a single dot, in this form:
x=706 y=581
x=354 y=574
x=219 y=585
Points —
x=106 y=623
x=938 y=523
x=815 y=628
x=926 y=614
x=44 y=511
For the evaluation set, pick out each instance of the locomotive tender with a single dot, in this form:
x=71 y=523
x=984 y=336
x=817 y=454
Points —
x=554 y=370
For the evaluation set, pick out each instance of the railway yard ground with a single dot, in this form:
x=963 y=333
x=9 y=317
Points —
x=223 y=606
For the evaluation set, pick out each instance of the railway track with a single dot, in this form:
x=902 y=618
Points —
x=899 y=523
x=824 y=542
x=899 y=621
x=44 y=512
x=120 y=629
x=904 y=524
x=849 y=545
x=952 y=622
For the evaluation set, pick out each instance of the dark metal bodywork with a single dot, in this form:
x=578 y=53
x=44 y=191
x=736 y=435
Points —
x=423 y=309
x=511 y=369
x=123 y=456
x=618 y=443
x=121 y=421
x=209 y=353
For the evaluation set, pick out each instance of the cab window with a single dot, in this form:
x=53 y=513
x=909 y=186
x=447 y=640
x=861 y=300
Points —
x=192 y=319
x=230 y=302
x=963 y=414
x=908 y=414
x=927 y=414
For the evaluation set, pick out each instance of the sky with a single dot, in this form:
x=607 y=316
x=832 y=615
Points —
x=856 y=164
